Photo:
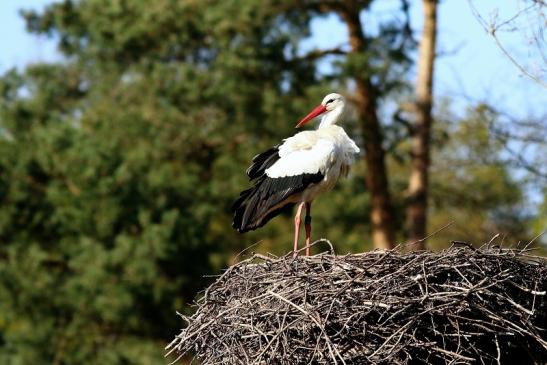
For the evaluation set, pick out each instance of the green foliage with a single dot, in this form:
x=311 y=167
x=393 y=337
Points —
x=102 y=218
x=473 y=187
x=119 y=168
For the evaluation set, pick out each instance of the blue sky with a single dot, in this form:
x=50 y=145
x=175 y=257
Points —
x=17 y=47
x=472 y=67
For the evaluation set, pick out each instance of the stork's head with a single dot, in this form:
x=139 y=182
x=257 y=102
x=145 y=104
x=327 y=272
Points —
x=332 y=107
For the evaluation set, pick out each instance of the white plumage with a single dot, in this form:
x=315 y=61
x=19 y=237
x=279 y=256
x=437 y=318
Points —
x=296 y=171
x=314 y=151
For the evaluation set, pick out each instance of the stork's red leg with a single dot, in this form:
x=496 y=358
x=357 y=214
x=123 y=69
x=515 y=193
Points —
x=307 y=224
x=297 y=228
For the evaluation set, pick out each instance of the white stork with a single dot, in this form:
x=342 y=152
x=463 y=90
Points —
x=297 y=170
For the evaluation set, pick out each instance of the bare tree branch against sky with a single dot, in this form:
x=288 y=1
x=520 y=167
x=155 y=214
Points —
x=528 y=21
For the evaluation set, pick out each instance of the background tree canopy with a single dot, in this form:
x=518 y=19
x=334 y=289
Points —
x=118 y=165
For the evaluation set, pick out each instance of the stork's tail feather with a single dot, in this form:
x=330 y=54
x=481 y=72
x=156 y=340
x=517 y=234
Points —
x=238 y=208
x=248 y=214
x=268 y=198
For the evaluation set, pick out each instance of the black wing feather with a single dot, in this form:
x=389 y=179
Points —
x=262 y=161
x=254 y=207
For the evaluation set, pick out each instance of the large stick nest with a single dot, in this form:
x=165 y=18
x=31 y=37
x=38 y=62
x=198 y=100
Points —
x=458 y=306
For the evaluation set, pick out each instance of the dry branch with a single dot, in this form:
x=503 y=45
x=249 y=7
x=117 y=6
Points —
x=458 y=306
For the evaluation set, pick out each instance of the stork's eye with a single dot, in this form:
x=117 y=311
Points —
x=329 y=101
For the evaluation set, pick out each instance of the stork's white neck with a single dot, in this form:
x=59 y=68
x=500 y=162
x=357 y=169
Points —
x=332 y=117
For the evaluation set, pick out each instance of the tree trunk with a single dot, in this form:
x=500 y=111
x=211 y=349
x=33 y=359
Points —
x=381 y=214
x=418 y=182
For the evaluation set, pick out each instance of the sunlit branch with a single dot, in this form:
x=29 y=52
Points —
x=492 y=28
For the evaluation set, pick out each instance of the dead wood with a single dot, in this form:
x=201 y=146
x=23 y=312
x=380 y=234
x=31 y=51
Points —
x=458 y=306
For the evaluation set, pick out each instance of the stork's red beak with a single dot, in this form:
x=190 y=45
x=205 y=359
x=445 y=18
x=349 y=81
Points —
x=314 y=113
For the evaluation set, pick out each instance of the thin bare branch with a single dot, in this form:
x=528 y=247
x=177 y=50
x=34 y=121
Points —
x=459 y=306
x=493 y=26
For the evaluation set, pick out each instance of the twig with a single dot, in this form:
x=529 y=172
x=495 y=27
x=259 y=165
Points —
x=460 y=305
x=428 y=236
